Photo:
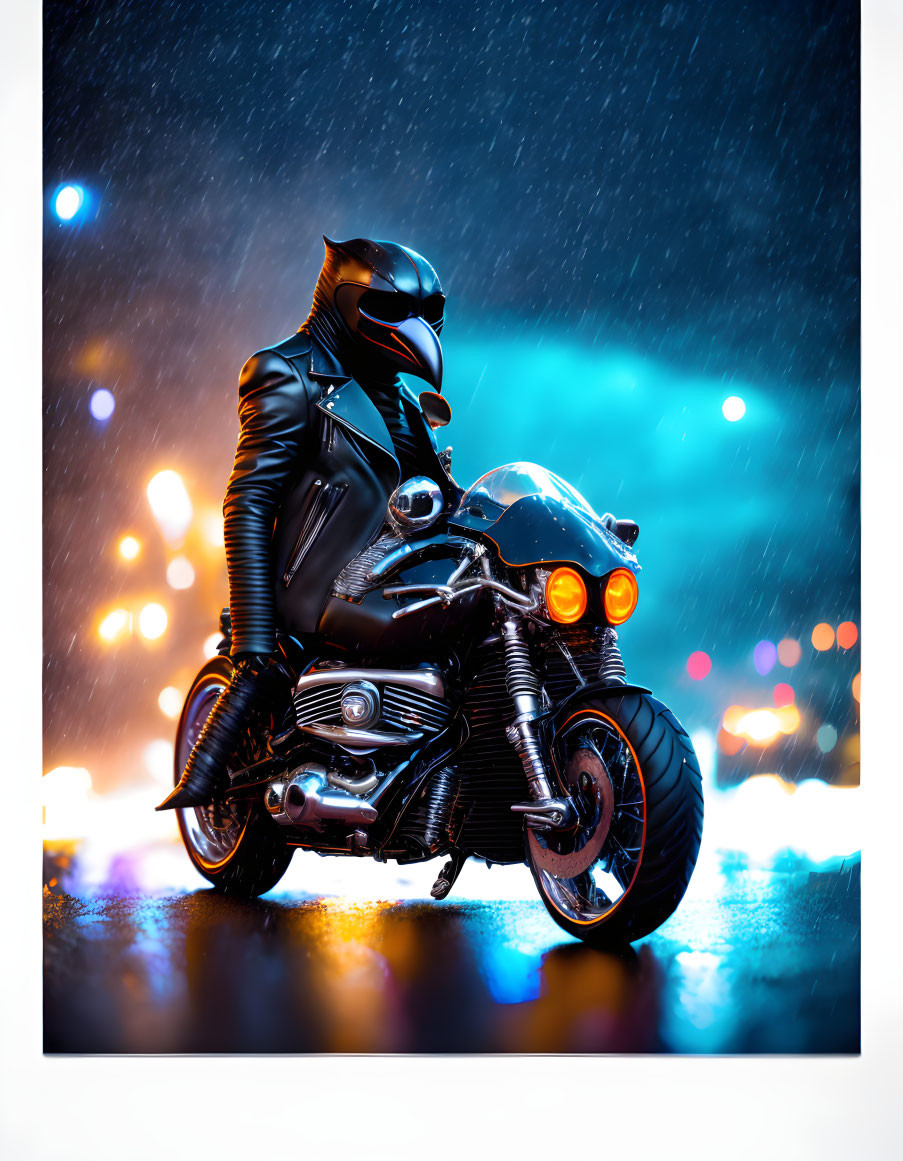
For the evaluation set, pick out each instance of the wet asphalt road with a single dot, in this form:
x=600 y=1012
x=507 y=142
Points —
x=754 y=961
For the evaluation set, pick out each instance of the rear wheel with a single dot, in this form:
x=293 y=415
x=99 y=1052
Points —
x=630 y=767
x=233 y=845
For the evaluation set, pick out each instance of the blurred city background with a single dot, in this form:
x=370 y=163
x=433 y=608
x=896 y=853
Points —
x=646 y=222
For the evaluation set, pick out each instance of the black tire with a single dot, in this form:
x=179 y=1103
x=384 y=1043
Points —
x=250 y=855
x=668 y=773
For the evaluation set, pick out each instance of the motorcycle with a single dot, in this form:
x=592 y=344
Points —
x=465 y=696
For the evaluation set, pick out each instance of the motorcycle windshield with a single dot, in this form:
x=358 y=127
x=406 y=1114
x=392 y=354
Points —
x=536 y=517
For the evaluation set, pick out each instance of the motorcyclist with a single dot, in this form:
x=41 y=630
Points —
x=328 y=431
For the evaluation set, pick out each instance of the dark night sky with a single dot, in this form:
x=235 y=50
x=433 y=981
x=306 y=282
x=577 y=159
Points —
x=666 y=190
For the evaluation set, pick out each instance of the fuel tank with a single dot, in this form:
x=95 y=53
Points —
x=364 y=625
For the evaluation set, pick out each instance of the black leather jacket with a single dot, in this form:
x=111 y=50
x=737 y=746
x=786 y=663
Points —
x=314 y=468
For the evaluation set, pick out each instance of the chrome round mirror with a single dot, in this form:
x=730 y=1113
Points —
x=415 y=504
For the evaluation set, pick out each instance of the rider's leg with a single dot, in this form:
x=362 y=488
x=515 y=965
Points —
x=252 y=685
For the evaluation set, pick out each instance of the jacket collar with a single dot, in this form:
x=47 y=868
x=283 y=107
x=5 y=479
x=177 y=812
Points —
x=345 y=400
x=351 y=406
x=323 y=366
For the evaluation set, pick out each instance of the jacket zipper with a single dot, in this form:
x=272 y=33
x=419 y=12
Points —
x=324 y=499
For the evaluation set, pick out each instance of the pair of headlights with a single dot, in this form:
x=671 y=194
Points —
x=566 y=595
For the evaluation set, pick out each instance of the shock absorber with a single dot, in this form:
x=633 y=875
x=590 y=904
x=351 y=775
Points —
x=611 y=664
x=523 y=686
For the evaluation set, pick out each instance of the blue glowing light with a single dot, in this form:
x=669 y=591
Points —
x=765 y=656
x=68 y=201
x=102 y=404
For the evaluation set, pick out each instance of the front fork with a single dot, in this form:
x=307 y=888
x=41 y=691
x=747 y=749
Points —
x=545 y=811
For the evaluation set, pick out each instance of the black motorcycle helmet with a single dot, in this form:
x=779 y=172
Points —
x=379 y=308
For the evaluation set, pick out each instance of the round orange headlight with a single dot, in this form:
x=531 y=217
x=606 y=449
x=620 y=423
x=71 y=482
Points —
x=620 y=598
x=565 y=595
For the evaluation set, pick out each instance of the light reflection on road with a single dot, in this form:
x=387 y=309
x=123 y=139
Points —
x=139 y=959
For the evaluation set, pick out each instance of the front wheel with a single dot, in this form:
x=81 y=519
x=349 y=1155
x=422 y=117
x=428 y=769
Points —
x=232 y=845
x=631 y=770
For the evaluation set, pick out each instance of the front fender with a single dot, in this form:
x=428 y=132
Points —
x=591 y=689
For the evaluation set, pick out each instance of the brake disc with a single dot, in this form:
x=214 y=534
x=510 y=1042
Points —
x=569 y=855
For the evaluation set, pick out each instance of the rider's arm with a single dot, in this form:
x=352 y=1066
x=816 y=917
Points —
x=273 y=409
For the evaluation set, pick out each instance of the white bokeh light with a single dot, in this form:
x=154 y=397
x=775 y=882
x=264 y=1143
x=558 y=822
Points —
x=68 y=202
x=179 y=573
x=152 y=621
x=209 y=646
x=102 y=404
x=733 y=408
x=170 y=504
x=170 y=701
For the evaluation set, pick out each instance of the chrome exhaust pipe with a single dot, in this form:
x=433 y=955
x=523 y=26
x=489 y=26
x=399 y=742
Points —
x=304 y=798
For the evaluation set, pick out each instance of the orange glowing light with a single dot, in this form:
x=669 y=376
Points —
x=129 y=547
x=729 y=744
x=788 y=717
x=733 y=716
x=565 y=596
x=621 y=595
x=857 y=682
x=847 y=634
x=212 y=528
x=115 y=625
x=822 y=637
x=760 y=726
x=789 y=652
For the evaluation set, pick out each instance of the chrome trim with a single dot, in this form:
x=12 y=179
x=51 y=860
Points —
x=353 y=785
x=389 y=561
x=402 y=590
x=361 y=739
x=418 y=491
x=364 y=694
x=309 y=802
x=417 y=606
x=428 y=681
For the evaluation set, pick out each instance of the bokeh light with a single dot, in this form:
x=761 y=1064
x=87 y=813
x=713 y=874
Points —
x=826 y=738
x=129 y=547
x=158 y=758
x=783 y=694
x=212 y=528
x=788 y=718
x=847 y=634
x=733 y=408
x=115 y=624
x=179 y=573
x=152 y=621
x=729 y=743
x=857 y=683
x=822 y=637
x=170 y=504
x=789 y=652
x=765 y=656
x=699 y=665
x=209 y=647
x=102 y=404
x=170 y=701
x=66 y=793
x=760 y=726
x=68 y=201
